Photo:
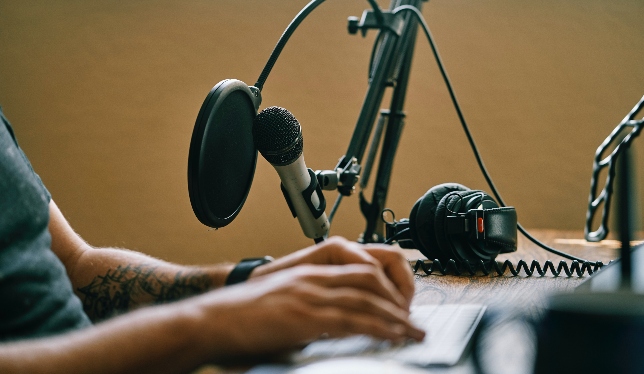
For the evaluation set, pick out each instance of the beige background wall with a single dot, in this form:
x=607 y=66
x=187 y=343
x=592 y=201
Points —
x=103 y=96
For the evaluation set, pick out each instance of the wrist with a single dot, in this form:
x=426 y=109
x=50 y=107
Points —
x=224 y=326
x=203 y=321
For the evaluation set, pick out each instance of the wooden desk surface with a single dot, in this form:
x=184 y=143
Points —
x=526 y=293
x=513 y=295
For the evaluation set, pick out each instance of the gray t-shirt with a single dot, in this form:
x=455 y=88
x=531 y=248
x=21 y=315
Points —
x=36 y=297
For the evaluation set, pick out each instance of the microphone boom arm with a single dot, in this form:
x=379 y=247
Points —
x=390 y=67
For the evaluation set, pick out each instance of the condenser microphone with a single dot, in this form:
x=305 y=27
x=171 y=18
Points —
x=278 y=137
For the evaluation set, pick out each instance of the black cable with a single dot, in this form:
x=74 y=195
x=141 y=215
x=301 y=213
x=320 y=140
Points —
x=473 y=268
x=470 y=139
x=283 y=39
x=396 y=236
x=290 y=29
x=336 y=205
x=377 y=12
x=310 y=7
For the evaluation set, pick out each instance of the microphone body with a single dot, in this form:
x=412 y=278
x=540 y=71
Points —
x=278 y=137
x=296 y=179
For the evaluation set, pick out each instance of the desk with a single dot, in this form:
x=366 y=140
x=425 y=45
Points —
x=522 y=294
x=527 y=292
x=526 y=295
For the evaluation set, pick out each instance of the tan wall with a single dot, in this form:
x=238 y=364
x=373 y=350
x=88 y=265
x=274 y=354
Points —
x=103 y=96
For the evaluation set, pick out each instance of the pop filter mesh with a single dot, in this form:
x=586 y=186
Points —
x=278 y=136
x=228 y=157
x=222 y=158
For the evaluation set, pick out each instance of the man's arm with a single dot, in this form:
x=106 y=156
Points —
x=111 y=281
x=265 y=315
x=282 y=306
x=163 y=339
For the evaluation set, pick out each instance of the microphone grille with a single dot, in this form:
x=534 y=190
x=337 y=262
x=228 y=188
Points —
x=278 y=136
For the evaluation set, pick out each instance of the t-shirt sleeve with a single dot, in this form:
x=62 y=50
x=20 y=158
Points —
x=36 y=295
x=5 y=122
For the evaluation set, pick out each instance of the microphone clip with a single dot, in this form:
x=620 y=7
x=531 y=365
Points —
x=382 y=20
x=343 y=179
x=307 y=194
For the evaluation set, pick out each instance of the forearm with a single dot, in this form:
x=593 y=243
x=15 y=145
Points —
x=160 y=339
x=110 y=281
x=261 y=317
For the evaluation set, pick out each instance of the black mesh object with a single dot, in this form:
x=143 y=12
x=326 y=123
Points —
x=222 y=157
x=278 y=136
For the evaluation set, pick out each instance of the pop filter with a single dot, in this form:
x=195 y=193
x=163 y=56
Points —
x=222 y=156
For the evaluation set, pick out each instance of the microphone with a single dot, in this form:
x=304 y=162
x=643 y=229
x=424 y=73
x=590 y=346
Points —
x=278 y=137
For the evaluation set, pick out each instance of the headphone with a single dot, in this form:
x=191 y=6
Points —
x=452 y=221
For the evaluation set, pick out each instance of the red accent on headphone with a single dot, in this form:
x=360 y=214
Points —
x=479 y=224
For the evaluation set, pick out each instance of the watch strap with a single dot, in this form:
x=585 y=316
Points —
x=242 y=270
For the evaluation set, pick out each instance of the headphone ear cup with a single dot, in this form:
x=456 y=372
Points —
x=422 y=221
x=454 y=202
x=413 y=232
x=459 y=246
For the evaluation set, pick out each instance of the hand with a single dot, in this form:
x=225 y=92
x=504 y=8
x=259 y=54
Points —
x=339 y=251
x=294 y=306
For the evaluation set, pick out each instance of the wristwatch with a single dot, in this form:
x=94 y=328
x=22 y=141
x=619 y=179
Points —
x=242 y=270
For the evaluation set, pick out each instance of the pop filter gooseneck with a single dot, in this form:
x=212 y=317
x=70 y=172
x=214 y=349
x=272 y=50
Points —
x=223 y=156
x=290 y=29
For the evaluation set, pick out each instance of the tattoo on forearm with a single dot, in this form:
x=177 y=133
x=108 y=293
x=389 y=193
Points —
x=126 y=287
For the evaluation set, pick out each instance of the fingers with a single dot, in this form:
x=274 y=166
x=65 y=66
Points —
x=363 y=277
x=369 y=315
x=339 y=323
x=333 y=251
x=316 y=254
x=396 y=267
x=341 y=251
